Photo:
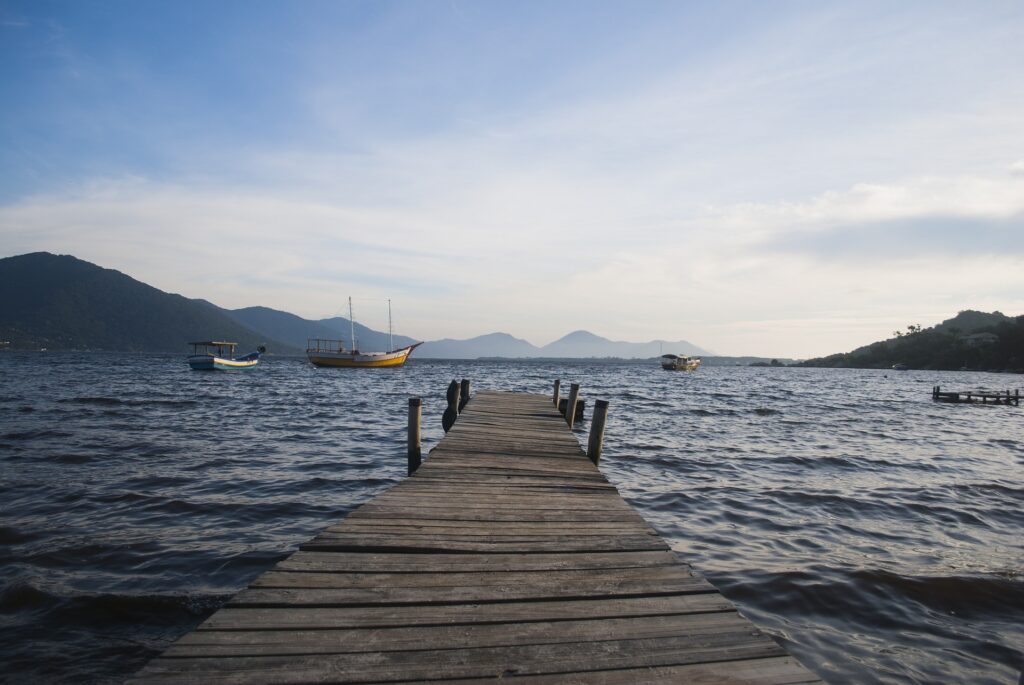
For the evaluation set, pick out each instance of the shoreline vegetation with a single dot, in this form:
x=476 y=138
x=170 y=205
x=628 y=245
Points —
x=970 y=341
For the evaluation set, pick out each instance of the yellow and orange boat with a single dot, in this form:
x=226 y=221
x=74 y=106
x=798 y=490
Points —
x=322 y=352
x=333 y=353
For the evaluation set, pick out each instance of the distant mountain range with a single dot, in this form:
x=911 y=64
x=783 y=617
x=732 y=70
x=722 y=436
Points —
x=61 y=302
x=579 y=344
x=294 y=331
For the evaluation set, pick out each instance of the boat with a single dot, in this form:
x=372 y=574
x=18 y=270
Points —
x=676 y=362
x=219 y=355
x=323 y=352
x=899 y=367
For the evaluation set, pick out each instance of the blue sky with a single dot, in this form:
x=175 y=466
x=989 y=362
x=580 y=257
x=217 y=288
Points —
x=779 y=178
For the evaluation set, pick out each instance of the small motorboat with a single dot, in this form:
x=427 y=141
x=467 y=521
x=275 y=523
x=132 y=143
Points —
x=676 y=362
x=218 y=355
x=899 y=367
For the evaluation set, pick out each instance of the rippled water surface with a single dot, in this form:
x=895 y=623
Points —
x=876 y=534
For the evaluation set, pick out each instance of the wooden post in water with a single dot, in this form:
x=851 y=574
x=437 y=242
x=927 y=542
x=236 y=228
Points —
x=452 y=411
x=463 y=394
x=415 y=416
x=596 y=442
x=570 y=407
x=558 y=386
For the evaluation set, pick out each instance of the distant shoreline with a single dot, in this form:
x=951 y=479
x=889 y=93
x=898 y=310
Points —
x=707 y=360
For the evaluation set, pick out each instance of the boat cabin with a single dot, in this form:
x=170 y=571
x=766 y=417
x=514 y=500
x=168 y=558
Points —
x=214 y=348
x=324 y=345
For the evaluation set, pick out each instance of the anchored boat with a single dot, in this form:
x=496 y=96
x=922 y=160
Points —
x=675 y=362
x=323 y=352
x=220 y=355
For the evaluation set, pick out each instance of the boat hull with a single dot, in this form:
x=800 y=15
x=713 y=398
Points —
x=205 y=362
x=371 y=360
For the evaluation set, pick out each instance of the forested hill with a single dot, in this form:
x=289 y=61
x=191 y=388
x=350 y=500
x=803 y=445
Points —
x=973 y=340
x=60 y=302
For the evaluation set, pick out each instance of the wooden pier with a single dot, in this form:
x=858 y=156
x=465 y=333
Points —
x=976 y=396
x=507 y=556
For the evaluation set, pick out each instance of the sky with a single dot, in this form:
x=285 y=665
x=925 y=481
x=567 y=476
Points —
x=786 y=179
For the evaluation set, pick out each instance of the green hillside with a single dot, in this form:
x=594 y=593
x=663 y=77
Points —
x=972 y=340
x=60 y=302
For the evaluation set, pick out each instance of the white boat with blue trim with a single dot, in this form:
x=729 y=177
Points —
x=219 y=355
x=678 y=362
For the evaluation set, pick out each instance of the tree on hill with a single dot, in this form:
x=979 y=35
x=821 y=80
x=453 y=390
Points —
x=972 y=340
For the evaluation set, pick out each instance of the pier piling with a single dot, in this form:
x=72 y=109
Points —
x=596 y=442
x=415 y=417
x=451 y=412
x=570 y=406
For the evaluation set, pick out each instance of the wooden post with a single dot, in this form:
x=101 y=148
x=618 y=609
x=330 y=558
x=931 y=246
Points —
x=463 y=394
x=596 y=442
x=558 y=385
x=570 y=407
x=415 y=416
x=452 y=411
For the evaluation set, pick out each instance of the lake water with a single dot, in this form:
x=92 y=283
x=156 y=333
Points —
x=876 y=534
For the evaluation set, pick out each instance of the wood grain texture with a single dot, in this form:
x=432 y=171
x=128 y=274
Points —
x=507 y=555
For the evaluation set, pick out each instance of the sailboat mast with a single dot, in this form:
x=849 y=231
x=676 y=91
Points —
x=391 y=334
x=352 y=325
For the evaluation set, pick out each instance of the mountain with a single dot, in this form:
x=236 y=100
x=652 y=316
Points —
x=586 y=344
x=60 y=302
x=576 y=345
x=295 y=331
x=490 y=345
x=970 y=340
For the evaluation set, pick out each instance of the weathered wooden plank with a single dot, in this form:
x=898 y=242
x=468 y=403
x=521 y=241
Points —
x=477 y=662
x=561 y=497
x=769 y=671
x=502 y=485
x=584 y=580
x=418 y=513
x=301 y=594
x=281 y=642
x=292 y=618
x=494 y=543
x=425 y=527
x=491 y=563
x=501 y=463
